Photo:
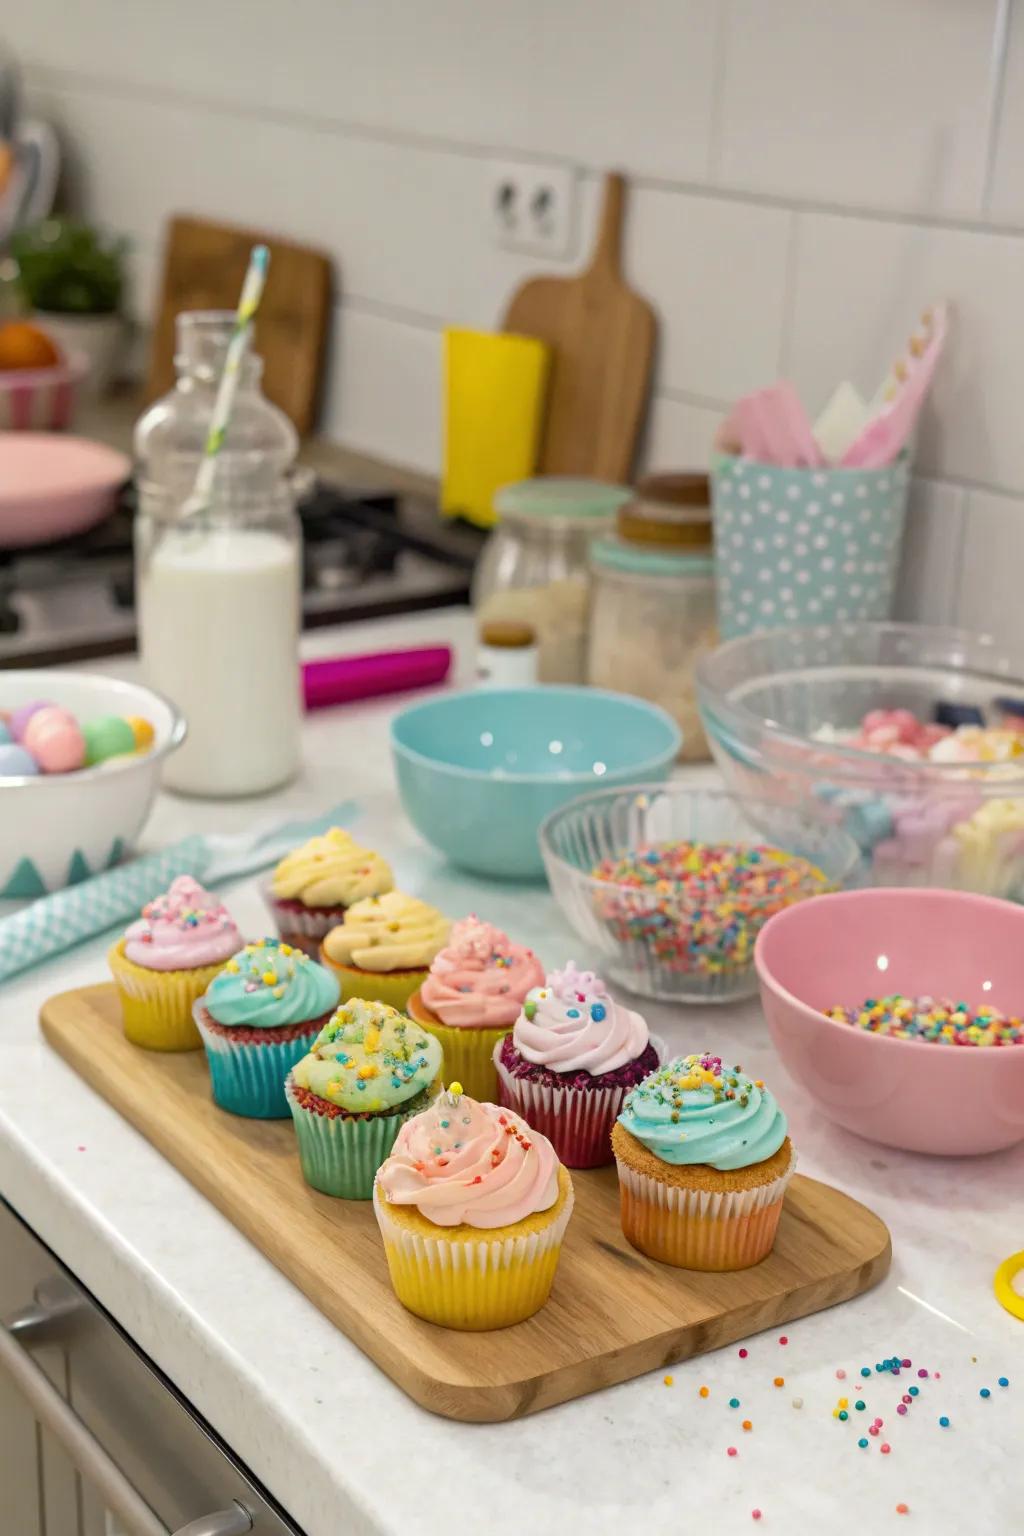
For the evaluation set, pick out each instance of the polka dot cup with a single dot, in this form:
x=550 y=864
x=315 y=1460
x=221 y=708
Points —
x=803 y=546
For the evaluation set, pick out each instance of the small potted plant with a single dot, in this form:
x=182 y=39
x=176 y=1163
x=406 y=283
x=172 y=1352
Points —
x=73 y=277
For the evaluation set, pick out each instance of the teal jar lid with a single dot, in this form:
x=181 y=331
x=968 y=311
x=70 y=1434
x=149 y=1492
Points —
x=649 y=559
x=561 y=496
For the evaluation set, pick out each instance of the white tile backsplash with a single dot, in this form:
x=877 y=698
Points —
x=806 y=176
x=990 y=581
x=871 y=103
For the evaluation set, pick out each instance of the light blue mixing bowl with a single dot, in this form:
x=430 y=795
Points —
x=479 y=771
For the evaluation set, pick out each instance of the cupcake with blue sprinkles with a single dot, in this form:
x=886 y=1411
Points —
x=257 y=1017
x=369 y=1070
x=704 y=1159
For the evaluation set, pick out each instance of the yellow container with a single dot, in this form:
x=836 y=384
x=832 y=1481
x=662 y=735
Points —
x=495 y=394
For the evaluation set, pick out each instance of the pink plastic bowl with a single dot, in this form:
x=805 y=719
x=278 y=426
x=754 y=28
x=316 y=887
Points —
x=843 y=948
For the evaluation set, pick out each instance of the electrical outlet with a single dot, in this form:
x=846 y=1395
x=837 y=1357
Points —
x=532 y=206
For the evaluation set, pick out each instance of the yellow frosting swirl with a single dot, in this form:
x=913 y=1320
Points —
x=393 y=932
x=331 y=871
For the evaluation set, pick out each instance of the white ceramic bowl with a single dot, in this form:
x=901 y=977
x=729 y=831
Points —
x=56 y=829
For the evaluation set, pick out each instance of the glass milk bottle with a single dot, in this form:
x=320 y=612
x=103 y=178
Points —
x=218 y=594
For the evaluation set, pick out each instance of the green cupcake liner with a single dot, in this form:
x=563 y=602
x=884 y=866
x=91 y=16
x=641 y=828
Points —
x=340 y=1154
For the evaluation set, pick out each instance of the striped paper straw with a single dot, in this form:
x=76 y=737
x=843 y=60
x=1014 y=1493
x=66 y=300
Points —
x=248 y=303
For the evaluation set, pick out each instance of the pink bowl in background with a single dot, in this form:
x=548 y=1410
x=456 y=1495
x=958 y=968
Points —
x=41 y=399
x=843 y=948
x=52 y=486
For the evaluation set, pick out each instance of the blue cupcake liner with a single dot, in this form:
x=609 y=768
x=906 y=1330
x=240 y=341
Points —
x=248 y=1079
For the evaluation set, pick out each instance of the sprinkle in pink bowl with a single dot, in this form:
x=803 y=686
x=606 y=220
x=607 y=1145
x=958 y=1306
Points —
x=846 y=947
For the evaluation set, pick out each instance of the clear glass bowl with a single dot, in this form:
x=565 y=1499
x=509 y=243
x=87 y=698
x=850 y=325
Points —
x=763 y=698
x=660 y=941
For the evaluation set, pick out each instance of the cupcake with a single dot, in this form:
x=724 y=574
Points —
x=166 y=960
x=471 y=999
x=472 y=1205
x=259 y=1015
x=569 y=1062
x=383 y=948
x=312 y=888
x=704 y=1160
x=369 y=1070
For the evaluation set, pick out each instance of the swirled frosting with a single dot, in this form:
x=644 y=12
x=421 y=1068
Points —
x=460 y=1161
x=480 y=978
x=331 y=871
x=268 y=985
x=182 y=930
x=369 y=1057
x=570 y=1024
x=694 y=1110
x=393 y=932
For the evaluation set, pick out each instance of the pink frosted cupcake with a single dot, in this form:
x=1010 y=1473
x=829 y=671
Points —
x=167 y=959
x=472 y=997
x=569 y=1062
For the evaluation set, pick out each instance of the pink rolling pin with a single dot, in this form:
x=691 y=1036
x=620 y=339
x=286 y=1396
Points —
x=340 y=679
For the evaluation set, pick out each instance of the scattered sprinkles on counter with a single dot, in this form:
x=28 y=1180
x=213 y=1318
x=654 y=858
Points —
x=931 y=1021
x=700 y=906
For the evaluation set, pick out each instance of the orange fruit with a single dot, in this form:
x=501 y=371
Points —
x=23 y=345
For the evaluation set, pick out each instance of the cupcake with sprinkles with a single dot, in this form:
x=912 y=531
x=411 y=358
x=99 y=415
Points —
x=569 y=1062
x=313 y=886
x=369 y=1070
x=472 y=997
x=384 y=947
x=258 y=1016
x=472 y=1206
x=166 y=959
x=695 y=909
x=704 y=1158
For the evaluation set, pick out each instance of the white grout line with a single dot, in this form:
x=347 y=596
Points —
x=46 y=77
x=719 y=62
x=996 y=94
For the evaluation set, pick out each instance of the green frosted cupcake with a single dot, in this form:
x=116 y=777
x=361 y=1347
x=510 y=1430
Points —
x=368 y=1071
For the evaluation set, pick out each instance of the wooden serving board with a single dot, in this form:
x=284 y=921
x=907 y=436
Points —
x=602 y=338
x=613 y=1313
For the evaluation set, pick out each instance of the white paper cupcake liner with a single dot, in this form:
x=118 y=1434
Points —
x=577 y=1121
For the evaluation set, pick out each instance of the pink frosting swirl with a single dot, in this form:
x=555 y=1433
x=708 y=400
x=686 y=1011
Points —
x=571 y=1025
x=182 y=930
x=460 y=1161
x=480 y=978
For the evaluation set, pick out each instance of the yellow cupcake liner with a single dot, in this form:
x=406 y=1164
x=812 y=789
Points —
x=392 y=987
x=468 y=1057
x=698 y=1228
x=156 y=1006
x=475 y=1283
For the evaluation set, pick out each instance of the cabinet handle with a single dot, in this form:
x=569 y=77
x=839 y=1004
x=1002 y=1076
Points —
x=82 y=1447
x=226 y=1522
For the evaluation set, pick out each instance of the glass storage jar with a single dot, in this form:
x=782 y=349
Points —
x=534 y=568
x=653 y=607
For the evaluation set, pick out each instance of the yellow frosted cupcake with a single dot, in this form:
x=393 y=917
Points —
x=472 y=1206
x=166 y=961
x=704 y=1159
x=471 y=999
x=313 y=886
x=384 y=947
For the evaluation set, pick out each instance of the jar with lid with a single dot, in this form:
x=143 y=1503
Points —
x=653 y=607
x=218 y=590
x=534 y=569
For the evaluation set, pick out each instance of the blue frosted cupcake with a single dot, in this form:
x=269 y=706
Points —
x=257 y=1018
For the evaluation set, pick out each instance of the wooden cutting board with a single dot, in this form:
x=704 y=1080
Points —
x=204 y=265
x=602 y=336
x=613 y=1314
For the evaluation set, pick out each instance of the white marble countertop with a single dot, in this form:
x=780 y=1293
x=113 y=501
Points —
x=346 y=1452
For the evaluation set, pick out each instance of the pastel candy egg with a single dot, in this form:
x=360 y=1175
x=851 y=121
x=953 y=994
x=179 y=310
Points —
x=143 y=732
x=15 y=761
x=21 y=716
x=107 y=736
x=55 y=740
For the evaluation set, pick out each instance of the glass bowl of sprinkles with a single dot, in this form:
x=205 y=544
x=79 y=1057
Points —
x=900 y=1013
x=671 y=885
